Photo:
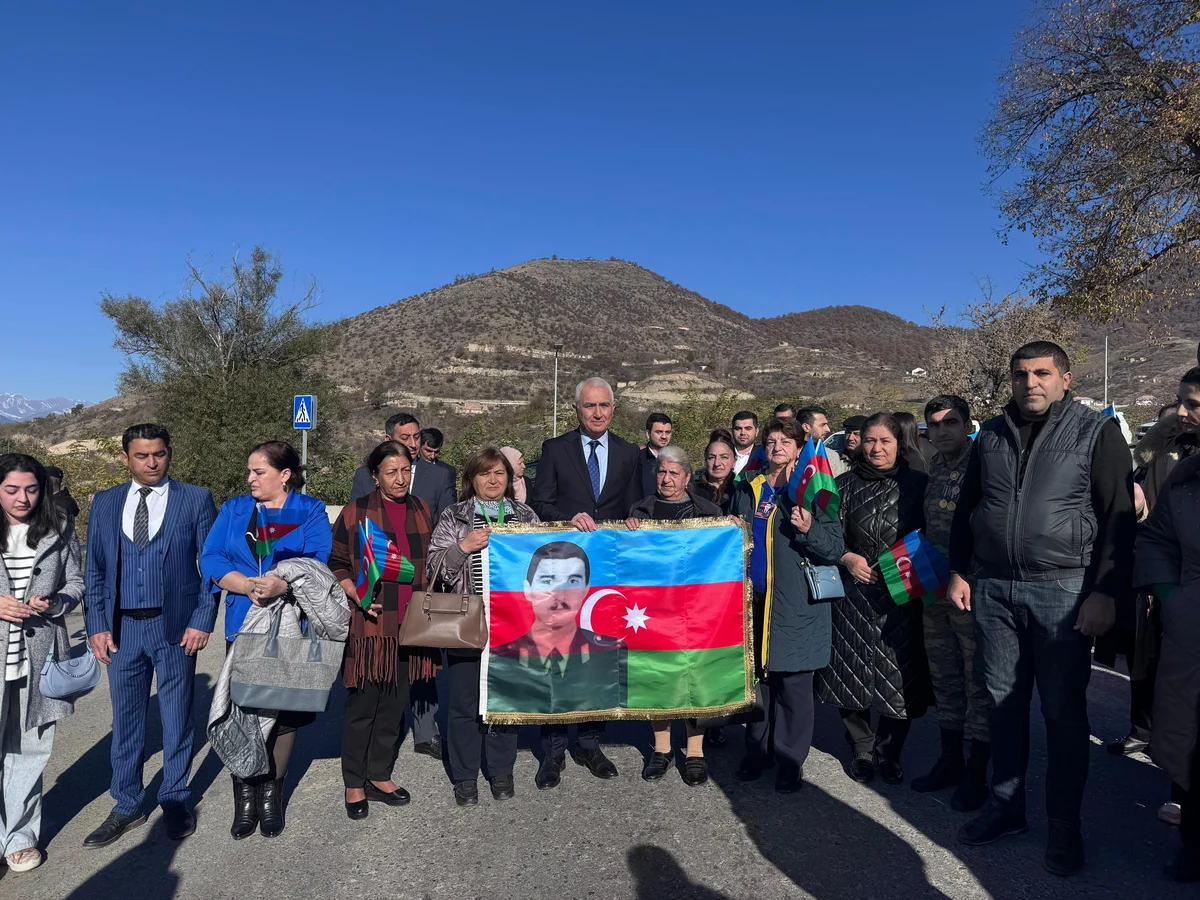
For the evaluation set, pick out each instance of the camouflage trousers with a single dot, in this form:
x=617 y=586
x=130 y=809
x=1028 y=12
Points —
x=962 y=700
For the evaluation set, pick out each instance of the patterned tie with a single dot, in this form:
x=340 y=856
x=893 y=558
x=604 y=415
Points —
x=141 y=520
x=594 y=468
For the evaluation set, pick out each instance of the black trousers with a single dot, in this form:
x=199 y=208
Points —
x=466 y=735
x=887 y=739
x=787 y=709
x=554 y=738
x=374 y=723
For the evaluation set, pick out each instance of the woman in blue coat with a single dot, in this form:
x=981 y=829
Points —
x=252 y=533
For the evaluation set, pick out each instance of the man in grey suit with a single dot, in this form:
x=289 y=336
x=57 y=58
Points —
x=435 y=485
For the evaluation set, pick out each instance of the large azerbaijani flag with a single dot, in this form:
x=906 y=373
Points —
x=914 y=568
x=615 y=624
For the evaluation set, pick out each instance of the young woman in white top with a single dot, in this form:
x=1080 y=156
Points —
x=40 y=581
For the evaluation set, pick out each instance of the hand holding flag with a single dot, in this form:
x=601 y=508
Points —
x=381 y=561
x=913 y=568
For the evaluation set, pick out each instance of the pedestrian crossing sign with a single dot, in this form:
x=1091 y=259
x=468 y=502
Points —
x=304 y=411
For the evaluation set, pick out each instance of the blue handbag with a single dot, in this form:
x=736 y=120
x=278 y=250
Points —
x=70 y=677
x=824 y=582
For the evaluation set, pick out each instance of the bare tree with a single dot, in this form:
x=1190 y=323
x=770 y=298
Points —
x=1098 y=119
x=971 y=354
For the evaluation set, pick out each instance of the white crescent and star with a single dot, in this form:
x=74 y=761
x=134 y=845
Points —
x=635 y=618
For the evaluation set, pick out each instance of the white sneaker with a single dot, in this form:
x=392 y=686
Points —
x=1169 y=813
x=24 y=860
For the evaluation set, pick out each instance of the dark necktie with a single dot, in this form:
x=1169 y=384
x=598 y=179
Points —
x=594 y=468
x=558 y=665
x=141 y=520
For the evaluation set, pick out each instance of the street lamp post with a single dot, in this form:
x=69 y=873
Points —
x=554 y=402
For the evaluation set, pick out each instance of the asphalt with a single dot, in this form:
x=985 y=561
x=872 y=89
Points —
x=834 y=840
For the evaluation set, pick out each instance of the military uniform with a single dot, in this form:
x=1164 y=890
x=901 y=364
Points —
x=962 y=700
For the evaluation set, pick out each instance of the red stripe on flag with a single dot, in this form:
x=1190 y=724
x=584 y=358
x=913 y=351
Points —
x=680 y=617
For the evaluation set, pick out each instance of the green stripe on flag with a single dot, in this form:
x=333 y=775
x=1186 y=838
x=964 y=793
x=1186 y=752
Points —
x=680 y=679
x=892 y=578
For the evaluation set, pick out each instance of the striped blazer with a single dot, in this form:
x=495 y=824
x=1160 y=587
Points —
x=186 y=602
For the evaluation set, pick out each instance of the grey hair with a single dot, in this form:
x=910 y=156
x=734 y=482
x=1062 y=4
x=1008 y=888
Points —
x=593 y=382
x=673 y=454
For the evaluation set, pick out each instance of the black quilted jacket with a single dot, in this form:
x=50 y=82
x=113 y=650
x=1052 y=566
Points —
x=878 y=660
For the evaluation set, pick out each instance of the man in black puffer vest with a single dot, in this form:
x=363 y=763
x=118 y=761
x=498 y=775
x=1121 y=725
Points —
x=1045 y=521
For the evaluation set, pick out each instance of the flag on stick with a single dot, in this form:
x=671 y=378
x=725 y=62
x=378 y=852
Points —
x=381 y=561
x=812 y=484
x=913 y=568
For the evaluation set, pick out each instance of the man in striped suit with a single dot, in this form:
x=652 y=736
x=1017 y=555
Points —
x=148 y=613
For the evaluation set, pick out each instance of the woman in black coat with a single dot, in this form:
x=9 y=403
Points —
x=878 y=654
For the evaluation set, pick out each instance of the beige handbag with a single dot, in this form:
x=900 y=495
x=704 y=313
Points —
x=445 y=621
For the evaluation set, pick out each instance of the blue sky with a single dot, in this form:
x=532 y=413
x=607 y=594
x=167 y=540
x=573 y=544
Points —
x=772 y=156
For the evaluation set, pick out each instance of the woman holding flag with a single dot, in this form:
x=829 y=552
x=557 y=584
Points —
x=456 y=551
x=794 y=523
x=878 y=659
x=380 y=545
x=253 y=532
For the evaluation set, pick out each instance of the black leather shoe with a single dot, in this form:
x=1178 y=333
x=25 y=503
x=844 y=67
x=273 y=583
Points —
x=245 y=809
x=503 y=787
x=1126 y=745
x=946 y=772
x=657 y=766
x=432 y=748
x=1064 y=849
x=112 y=828
x=179 y=821
x=789 y=779
x=358 y=809
x=714 y=737
x=862 y=768
x=596 y=762
x=398 y=797
x=750 y=768
x=889 y=770
x=466 y=793
x=695 y=770
x=549 y=773
x=991 y=825
x=972 y=792
x=270 y=808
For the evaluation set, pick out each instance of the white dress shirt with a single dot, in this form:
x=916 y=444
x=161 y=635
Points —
x=740 y=460
x=601 y=454
x=156 y=505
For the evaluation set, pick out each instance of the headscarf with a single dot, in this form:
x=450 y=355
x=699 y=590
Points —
x=513 y=455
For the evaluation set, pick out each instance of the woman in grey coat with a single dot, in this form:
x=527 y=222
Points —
x=40 y=581
x=456 y=557
x=1167 y=566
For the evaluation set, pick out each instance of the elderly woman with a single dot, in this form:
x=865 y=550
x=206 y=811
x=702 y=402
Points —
x=791 y=631
x=673 y=501
x=376 y=666
x=714 y=482
x=285 y=524
x=1167 y=566
x=878 y=659
x=456 y=556
x=40 y=581
x=516 y=460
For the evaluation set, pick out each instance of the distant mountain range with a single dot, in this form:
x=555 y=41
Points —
x=19 y=408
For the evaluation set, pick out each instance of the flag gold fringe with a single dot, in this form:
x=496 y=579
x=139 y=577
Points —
x=623 y=713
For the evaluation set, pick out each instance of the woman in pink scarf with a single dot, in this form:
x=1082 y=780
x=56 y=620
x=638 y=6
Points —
x=517 y=460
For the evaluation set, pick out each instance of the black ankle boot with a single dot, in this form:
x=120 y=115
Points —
x=973 y=791
x=245 y=809
x=270 y=808
x=949 y=768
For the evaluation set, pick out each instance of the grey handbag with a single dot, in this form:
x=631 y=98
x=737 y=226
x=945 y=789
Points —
x=70 y=676
x=824 y=582
x=284 y=673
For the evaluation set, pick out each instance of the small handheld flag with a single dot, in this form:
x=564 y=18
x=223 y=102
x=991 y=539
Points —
x=913 y=568
x=267 y=527
x=812 y=484
x=381 y=561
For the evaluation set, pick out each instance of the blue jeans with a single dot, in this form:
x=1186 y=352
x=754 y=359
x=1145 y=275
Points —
x=1027 y=636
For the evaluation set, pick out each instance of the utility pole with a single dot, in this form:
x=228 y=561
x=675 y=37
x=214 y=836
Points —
x=554 y=401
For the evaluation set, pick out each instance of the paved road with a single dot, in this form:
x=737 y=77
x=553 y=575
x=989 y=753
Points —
x=835 y=840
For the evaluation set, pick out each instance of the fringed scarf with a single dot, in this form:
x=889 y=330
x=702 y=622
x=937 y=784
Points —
x=373 y=650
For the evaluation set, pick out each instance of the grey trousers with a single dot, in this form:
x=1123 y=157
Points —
x=25 y=755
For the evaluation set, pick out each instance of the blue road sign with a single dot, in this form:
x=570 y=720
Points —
x=304 y=411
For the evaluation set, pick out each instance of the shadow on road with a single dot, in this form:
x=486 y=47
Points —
x=656 y=875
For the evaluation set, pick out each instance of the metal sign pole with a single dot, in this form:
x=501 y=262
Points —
x=304 y=457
